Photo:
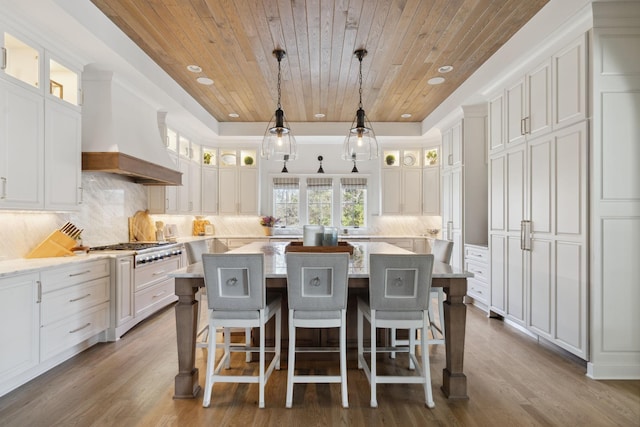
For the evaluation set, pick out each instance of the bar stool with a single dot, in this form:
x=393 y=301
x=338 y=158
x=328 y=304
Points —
x=236 y=293
x=194 y=250
x=317 y=292
x=441 y=251
x=399 y=287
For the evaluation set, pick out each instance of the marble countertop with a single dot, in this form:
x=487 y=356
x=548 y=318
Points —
x=28 y=265
x=275 y=265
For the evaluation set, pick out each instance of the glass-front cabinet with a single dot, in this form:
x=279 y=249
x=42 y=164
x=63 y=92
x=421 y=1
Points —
x=238 y=182
x=402 y=181
x=21 y=59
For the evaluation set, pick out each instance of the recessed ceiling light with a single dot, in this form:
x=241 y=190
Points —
x=405 y=115
x=436 y=81
x=318 y=115
x=204 y=81
x=445 y=69
x=234 y=115
x=194 y=68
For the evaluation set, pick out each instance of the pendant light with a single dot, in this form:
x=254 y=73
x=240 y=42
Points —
x=361 y=143
x=278 y=140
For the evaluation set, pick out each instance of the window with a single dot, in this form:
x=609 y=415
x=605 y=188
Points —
x=320 y=201
x=286 y=201
x=353 y=201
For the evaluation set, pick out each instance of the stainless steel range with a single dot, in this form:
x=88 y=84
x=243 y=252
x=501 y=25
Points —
x=146 y=252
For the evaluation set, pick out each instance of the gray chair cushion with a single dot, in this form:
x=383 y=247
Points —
x=442 y=250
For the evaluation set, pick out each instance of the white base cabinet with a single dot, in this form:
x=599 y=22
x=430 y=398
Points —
x=19 y=328
x=476 y=261
x=49 y=316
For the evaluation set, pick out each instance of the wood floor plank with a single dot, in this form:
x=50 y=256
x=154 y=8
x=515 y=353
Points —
x=513 y=380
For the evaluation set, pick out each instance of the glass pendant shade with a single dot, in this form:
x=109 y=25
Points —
x=279 y=143
x=278 y=140
x=360 y=143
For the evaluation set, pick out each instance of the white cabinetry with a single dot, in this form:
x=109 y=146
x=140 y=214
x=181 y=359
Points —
x=464 y=178
x=122 y=288
x=550 y=96
x=238 y=182
x=210 y=181
x=74 y=307
x=21 y=147
x=63 y=161
x=476 y=261
x=538 y=236
x=20 y=320
x=40 y=131
x=402 y=182
x=431 y=182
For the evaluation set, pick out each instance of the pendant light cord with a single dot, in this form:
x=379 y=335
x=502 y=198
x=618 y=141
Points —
x=360 y=58
x=279 y=105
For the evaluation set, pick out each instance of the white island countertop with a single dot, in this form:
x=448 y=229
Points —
x=275 y=264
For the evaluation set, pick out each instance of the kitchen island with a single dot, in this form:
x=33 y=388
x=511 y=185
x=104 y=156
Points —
x=190 y=279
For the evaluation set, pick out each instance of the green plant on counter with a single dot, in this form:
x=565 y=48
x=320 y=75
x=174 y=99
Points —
x=390 y=159
x=248 y=160
x=207 y=158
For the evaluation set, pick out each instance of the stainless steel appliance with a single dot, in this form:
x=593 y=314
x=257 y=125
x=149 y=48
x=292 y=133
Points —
x=146 y=252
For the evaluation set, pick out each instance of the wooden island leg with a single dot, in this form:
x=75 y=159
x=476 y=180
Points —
x=454 y=381
x=186 y=382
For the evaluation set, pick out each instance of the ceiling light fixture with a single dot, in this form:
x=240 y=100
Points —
x=435 y=81
x=194 y=68
x=445 y=69
x=318 y=115
x=405 y=115
x=278 y=140
x=361 y=143
x=204 y=81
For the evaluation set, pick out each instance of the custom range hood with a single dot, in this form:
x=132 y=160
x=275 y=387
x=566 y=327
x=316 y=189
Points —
x=122 y=133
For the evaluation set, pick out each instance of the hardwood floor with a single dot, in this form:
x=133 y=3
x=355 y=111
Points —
x=513 y=381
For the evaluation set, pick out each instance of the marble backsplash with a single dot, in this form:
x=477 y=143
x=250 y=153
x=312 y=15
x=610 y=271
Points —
x=109 y=200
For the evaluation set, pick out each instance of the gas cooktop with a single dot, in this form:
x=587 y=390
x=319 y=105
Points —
x=131 y=246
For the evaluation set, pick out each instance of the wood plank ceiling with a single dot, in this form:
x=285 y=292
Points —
x=232 y=41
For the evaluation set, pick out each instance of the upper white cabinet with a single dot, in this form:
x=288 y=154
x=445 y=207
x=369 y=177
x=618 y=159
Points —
x=63 y=161
x=238 y=182
x=452 y=146
x=548 y=97
x=528 y=104
x=21 y=148
x=431 y=182
x=402 y=182
x=209 y=181
x=40 y=109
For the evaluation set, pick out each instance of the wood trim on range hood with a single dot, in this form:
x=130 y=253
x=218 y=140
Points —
x=139 y=170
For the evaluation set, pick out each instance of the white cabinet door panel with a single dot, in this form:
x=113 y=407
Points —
x=538 y=119
x=248 y=191
x=228 y=188
x=431 y=191
x=412 y=190
x=515 y=112
x=20 y=317
x=569 y=76
x=391 y=195
x=515 y=280
x=496 y=123
x=63 y=156
x=497 y=193
x=209 y=190
x=540 y=194
x=571 y=297
x=516 y=170
x=541 y=287
x=497 y=282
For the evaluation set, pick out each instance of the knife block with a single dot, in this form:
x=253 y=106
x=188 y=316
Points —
x=55 y=245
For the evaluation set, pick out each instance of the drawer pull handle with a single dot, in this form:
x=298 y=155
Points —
x=160 y=294
x=159 y=273
x=80 y=328
x=80 y=274
x=79 y=298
